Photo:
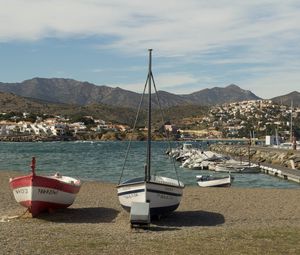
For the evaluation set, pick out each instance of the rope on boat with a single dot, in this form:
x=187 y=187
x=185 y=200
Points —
x=167 y=133
x=149 y=77
x=134 y=126
x=9 y=218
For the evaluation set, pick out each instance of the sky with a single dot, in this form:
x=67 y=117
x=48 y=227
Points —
x=196 y=44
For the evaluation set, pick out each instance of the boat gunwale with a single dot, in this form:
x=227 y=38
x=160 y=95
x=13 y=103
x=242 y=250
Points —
x=152 y=182
x=214 y=178
x=76 y=183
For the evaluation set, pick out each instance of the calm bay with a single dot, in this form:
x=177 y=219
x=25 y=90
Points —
x=103 y=161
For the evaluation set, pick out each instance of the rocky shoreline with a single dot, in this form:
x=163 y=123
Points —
x=282 y=157
x=34 y=138
x=89 y=136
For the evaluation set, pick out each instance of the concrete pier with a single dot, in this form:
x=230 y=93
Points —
x=273 y=161
x=264 y=155
x=282 y=172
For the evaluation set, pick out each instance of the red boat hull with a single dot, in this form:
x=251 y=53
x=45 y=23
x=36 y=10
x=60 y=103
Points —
x=42 y=193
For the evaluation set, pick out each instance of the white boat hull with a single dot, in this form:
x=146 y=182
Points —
x=217 y=182
x=231 y=168
x=163 y=196
x=42 y=193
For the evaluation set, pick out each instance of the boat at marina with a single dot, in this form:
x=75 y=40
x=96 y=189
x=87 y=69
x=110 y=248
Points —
x=251 y=169
x=44 y=193
x=238 y=167
x=162 y=193
x=214 y=181
x=228 y=168
x=234 y=166
x=293 y=144
x=289 y=145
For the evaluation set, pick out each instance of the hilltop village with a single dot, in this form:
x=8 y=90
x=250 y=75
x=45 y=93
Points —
x=255 y=118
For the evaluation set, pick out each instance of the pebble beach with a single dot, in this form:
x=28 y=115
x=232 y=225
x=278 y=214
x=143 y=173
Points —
x=208 y=221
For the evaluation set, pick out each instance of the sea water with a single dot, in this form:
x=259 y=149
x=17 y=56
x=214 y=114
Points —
x=104 y=161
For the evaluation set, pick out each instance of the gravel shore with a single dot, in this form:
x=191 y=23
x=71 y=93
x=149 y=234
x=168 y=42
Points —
x=208 y=221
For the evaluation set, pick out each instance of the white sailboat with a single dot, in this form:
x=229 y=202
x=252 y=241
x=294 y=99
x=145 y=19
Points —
x=162 y=193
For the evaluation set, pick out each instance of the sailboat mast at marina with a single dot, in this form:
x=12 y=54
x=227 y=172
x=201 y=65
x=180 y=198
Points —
x=162 y=193
x=291 y=124
x=149 y=117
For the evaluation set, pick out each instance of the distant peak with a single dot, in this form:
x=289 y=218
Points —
x=233 y=86
x=294 y=93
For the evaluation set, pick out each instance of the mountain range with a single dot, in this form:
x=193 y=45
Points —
x=11 y=103
x=55 y=94
x=68 y=91
x=74 y=99
x=288 y=99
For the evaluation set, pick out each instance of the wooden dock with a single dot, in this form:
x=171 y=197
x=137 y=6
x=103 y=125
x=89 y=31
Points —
x=282 y=172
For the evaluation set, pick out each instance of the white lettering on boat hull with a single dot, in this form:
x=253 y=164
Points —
x=43 y=194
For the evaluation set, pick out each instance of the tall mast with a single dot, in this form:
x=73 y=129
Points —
x=291 y=132
x=149 y=118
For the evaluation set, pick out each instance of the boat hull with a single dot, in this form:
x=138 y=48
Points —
x=162 y=197
x=251 y=170
x=41 y=193
x=228 y=168
x=237 y=168
x=218 y=182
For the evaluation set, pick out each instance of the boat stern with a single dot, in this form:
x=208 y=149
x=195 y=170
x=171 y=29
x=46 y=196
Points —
x=131 y=192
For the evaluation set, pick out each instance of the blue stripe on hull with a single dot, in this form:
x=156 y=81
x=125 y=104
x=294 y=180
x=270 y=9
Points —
x=130 y=192
x=150 y=190
x=158 y=210
x=217 y=186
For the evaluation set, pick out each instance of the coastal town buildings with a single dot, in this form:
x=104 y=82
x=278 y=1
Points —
x=255 y=118
x=53 y=127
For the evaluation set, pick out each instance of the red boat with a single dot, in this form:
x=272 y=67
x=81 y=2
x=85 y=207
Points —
x=44 y=193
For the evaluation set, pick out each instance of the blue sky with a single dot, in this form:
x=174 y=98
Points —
x=197 y=44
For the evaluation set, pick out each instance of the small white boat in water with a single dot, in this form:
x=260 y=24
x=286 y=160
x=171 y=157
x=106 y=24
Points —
x=214 y=181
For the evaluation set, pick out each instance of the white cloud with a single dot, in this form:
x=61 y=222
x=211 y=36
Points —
x=173 y=27
x=264 y=33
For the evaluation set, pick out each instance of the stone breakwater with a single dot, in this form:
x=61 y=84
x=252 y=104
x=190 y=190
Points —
x=282 y=157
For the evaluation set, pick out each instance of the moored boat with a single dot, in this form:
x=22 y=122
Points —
x=214 y=181
x=234 y=167
x=228 y=168
x=44 y=193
